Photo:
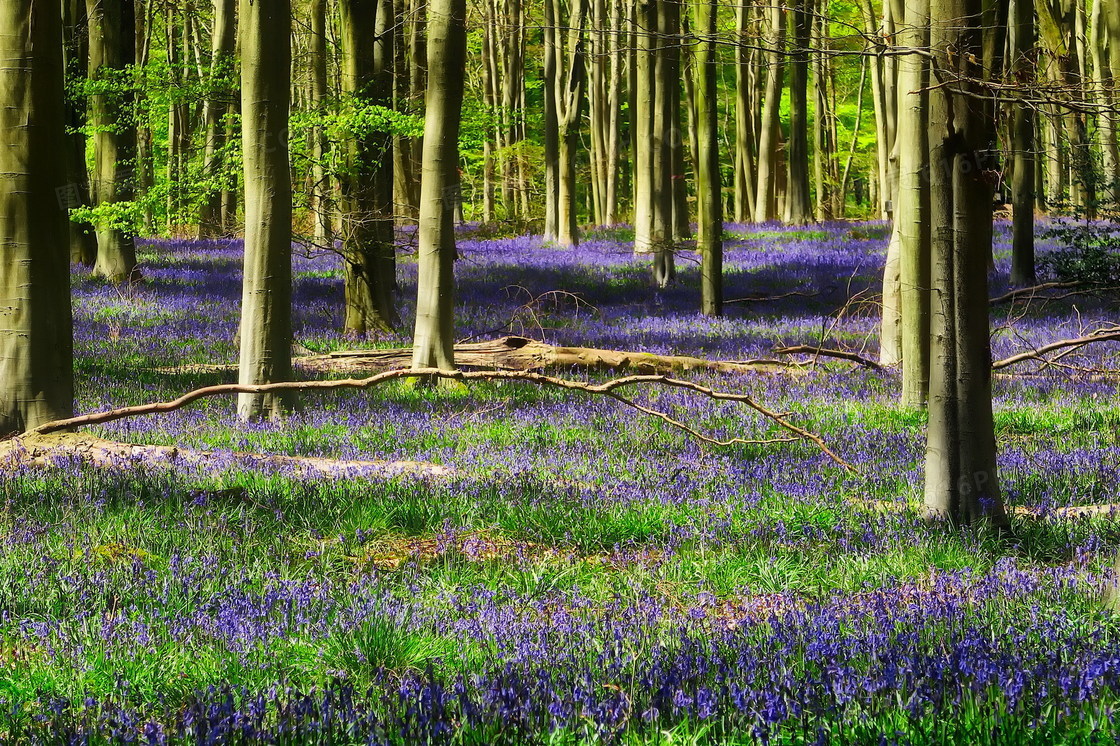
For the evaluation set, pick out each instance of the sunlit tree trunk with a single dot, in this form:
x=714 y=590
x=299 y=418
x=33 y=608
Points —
x=433 y=341
x=666 y=127
x=112 y=51
x=709 y=222
x=911 y=224
x=565 y=73
x=642 y=122
x=320 y=180
x=222 y=65
x=745 y=116
x=766 y=200
x=266 y=299
x=36 y=349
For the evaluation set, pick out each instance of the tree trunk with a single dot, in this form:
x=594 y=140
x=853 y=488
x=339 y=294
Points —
x=799 y=207
x=565 y=73
x=667 y=114
x=745 y=135
x=642 y=123
x=766 y=199
x=433 y=340
x=222 y=66
x=320 y=148
x=368 y=233
x=911 y=224
x=36 y=348
x=266 y=300
x=709 y=221
x=83 y=239
x=961 y=480
x=1023 y=149
x=112 y=50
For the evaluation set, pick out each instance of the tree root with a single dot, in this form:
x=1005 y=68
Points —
x=33 y=449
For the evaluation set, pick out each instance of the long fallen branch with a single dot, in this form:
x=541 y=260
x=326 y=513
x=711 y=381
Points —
x=609 y=388
x=1031 y=291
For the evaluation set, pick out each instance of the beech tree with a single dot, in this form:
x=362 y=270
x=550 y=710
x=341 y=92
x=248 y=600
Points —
x=112 y=52
x=369 y=265
x=36 y=348
x=709 y=233
x=433 y=340
x=215 y=110
x=961 y=480
x=266 y=298
x=565 y=83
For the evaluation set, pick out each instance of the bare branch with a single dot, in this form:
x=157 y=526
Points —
x=609 y=388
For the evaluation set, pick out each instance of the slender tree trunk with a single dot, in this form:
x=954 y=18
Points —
x=266 y=299
x=83 y=239
x=565 y=74
x=1023 y=149
x=368 y=233
x=911 y=224
x=662 y=157
x=799 y=208
x=36 y=348
x=709 y=222
x=222 y=66
x=766 y=200
x=642 y=122
x=112 y=50
x=745 y=134
x=433 y=342
x=321 y=188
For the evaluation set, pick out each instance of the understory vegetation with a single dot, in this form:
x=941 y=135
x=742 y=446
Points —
x=580 y=573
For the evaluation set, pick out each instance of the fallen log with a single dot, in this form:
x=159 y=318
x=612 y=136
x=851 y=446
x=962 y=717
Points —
x=521 y=353
x=31 y=449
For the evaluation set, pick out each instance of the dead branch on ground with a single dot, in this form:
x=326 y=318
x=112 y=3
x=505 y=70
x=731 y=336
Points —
x=609 y=388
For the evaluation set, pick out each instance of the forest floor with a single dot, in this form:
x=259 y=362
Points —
x=583 y=573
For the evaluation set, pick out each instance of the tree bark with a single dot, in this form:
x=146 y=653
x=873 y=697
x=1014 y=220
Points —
x=321 y=188
x=798 y=205
x=219 y=96
x=433 y=340
x=709 y=222
x=766 y=196
x=112 y=51
x=83 y=239
x=266 y=299
x=962 y=484
x=1023 y=68
x=36 y=348
x=368 y=232
x=565 y=77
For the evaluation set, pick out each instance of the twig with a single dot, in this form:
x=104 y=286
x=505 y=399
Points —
x=609 y=388
x=766 y=298
x=1105 y=335
x=829 y=352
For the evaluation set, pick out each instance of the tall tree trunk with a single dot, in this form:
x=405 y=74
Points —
x=962 y=485
x=83 y=240
x=799 y=207
x=565 y=74
x=766 y=191
x=321 y=188
x=1023 y=68
x=222 y=66
x=709 y=222
x=665 y=129
x=745 y=115
x=433 y=341
x=36 y=348
x=911 y=224
x=642 y=122
x=368 y=233
x=266 y=299
x=112 y=51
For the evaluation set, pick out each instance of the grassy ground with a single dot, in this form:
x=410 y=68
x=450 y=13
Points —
x=586 y=575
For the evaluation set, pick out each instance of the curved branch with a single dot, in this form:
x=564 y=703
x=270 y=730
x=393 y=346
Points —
x=608 y=388
x=1105 y=335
